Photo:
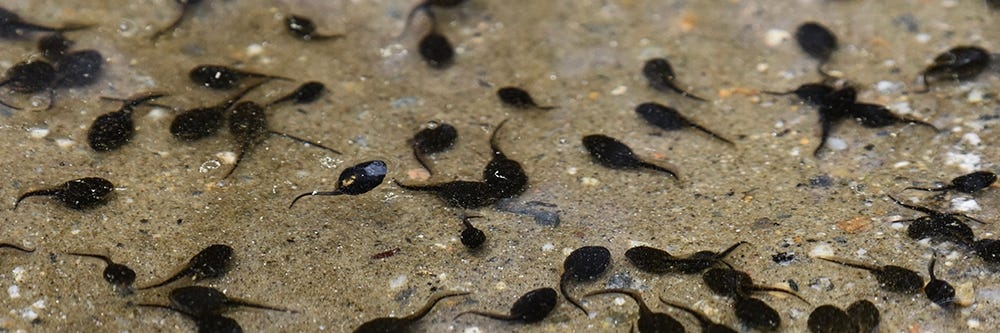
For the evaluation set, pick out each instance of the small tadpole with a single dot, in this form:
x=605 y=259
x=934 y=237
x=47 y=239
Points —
x=120 y=277
x=648 y=321
x=667 y=118
x=733 y=283
x=960 y=63
x=939 y=291
x=968 y=183
x=459 y=193
x=220 y=77
x=707 y=324
x=212 y=262
x=890 y=278
x=660 y=76
x=818 y=42
x=583 y=265
x=436 y=50
x=208 y=323
x=939 y=226
x=864 y=313
x=830 y=319
x=472 y=237
x=614 y=154
x=506 y=177
x=303 y=28
x=16 y=248
x=12 y=26
x=425 y=6
x=657 y=261
x=113 y=130
x=76 y=194
x=519 y=98
x=434 y=138
x=249 y=128
x=756 y=314
x=878 y=116
x=202 y=301
x=186 y=7
x=199 y=123
x=531 y=307
x=355 y=180
x=306 y=93
x=30 y=77
x=404 y=324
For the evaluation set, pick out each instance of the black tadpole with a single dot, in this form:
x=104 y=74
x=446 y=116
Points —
x=959 y=63
x=877 y=116
x=939 y=291
x=657 y=261
x=355 y=180
x=519 y=98
x=76 y=194
x=435 y=138
x=404 y=324
x=707 y=324
x=220 y=77
x=459 y=193
x=30 y=77
x=939 y=226
x=661 y=77
x=968 y=183
x=614 y=154
x=212 y=262
x=54 y=47
x=756 y=314
x=199 y=123
x=531 y=307
x=817 y=41
x=436 y=50
x=865 y=315
x=113 y=130
x=303 y=28
x=891 y=278
x=506 y=177
x=202 y=301
x=830 y=319
x=649 y=321
x=212 y=323
x=79 y=69
x=306 y=93
x=667 y=118
x=186 y=6
x=582 y=265
x=733 y=283
x=15 y=247
x=120 y=277
x=472 y=237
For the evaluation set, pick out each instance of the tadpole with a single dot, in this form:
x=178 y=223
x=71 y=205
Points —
x=425 y=7
x=436 y=50
x=938 y=226
x=959 y=63
x=435 y=138
x=202 y=301
x=614 y=154
x=707 y=325
x=306 y=93
x=667 y=118
x=505 y=176
x=403 y=324
x=756 y=314
x=583 y=265
x=54 y=47
x=186 y=7
x=79 y=194
x=519 y=98
x=113 y=130
x=830 y=319
x=649 y=321
x=249 y=128
x=657 y=261
x=531 y=307
x=15 y=247
x=939 y=291
x=199 y=123
x=30 y=77
x=78 y=69
x=877 y=116
x=459 y=193
x=355 y=180
x=472 y=237
x=120 y=277
x=891 y=278
x=817 y=41
x=12 y=26
x=661 y=77
x=303 y=28
x=865 y=315
x=732 y=283
x=967 y=183
x=212 y=262
x=220 y=77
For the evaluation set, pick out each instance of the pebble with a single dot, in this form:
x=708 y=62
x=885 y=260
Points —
x=836 y=144
x=964 y=204
x=975 y=96
x=397 y=282
x=966 y=162
x=620 y=90
x=589 y=181
x=13 y=291
x=38 y=132
x=821 y=250
x=971 y=138
x=965 y=294
x=472 y=329
x=774 y=37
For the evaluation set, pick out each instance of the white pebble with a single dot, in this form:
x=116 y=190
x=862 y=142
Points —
x=65 y=143
x=29 y=314
x=589 y=181
x=397 y=282
x=14 y=291
x=836 y=144
x=620 y=90
x=571 y=170
x=762 y=67
x=39 y=304
x=964 y=204
x=156 y=114
x=472 y=329
x=975 y=96
x=38 y=132
x=254 y=49
x=619 y=301
x=971 y=138
x=821 y=250
x=18 y=274
x=901 y=164
x=887 y=87
x=227 y=157
x=973 y=323
x=966 y=162
x=548 y=247
x=776 y=36
x=923 y=38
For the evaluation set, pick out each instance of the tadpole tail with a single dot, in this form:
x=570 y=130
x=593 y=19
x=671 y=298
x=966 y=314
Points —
x=178 y=276
x=730 y=249
x=684 y=93
x=15 y=247
x=423 y=6
x=236 y=97
x=826 y=126
x=783 y=291
x=652 y=166
x=562 y=289
x=52 y=99
x=11 y=106
x=301 y=140
x=73 y=27
x=924 y=210
x=173 y=25
x=43 y=192
x=90 y=255
x=546 y=107
x=778 y=93
x=926 y=189
x=420 y=159
x=704 y=321
x=848 y=263
x=497 y=316
x=239 y=302
x=422 y=188
x=922 y=123
x=493 y=140
x=308 y=194
x=432 y=302
x=712 y=134
x=630 y=293
x=926 y=85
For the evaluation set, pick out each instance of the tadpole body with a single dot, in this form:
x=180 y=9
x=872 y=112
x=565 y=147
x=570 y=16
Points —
x=959 y=63
x=756 y=314
x=505 y=176
x=200 y=301
x=306 y=93
x=113 y=130
x=865 y=315
x=532 y=307
x=403 y=324
x=583 y=265
x=968 y=183
x=938 y=226
x=198 y=123
x=614 y=154
x=733 y=283
x=472 y=237
x=830 y=319
x=436 y=50
x=519 y=98
x=355 y=180
x=817 y=41
x=249 y=127
x=76 y=194
x=435 y=138
x=459 y=193
x=891 y=278
x=303 y=28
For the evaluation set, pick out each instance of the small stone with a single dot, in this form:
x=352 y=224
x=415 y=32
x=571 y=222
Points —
x=836 y=144
x=965 y=294
x=855 y=225
x=620 y=90
x=821 y=250
x=965 y=204
x=774 y=37
x=38 y=132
